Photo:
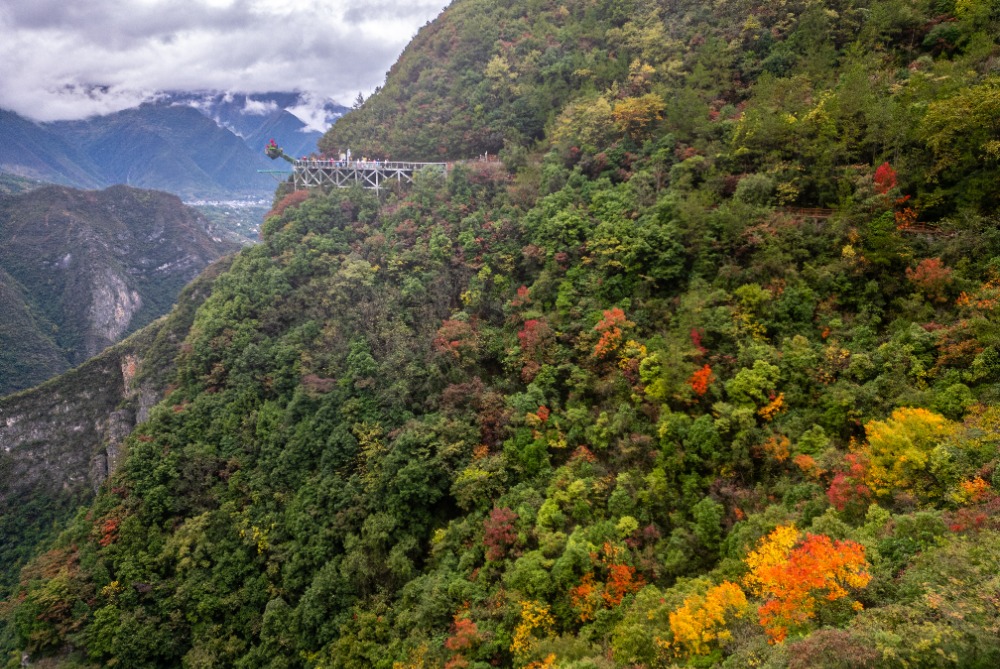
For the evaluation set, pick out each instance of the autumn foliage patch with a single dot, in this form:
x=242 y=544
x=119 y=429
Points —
x=795 y=574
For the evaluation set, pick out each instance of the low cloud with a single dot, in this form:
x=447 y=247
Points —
x=68 y=60
x=259 y=107
x=313 y=113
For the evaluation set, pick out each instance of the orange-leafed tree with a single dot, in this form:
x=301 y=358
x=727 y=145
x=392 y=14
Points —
x=620 y=579
x=932 y=278
x=464 y=638
x=464 y=633
x=611 y=327
x=778 y=447
x=794 y=574
x=775 y=406
x=293 y=199
x=547 y=662
x=586 y=597
x=701 y=380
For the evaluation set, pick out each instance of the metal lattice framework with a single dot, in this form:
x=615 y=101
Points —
x=369 y=174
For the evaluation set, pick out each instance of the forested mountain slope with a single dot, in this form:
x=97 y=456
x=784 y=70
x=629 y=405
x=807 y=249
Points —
x=706 y=376
x=60 y=440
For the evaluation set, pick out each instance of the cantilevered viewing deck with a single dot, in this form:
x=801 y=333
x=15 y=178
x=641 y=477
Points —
x=373 y=174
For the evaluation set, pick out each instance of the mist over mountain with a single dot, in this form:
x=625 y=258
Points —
x=294 y=120
x=11 y=184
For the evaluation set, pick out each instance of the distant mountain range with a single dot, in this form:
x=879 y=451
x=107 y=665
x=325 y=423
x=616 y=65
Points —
x=291 y=119
x=81 y=269
x=197 y=145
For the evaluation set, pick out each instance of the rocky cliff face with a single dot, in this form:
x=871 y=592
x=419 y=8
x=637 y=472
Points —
x=112 y=306
x=67 y=434
x=85 y=268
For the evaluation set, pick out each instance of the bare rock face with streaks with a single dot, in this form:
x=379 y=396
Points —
x=112 y=307
x=52 y=437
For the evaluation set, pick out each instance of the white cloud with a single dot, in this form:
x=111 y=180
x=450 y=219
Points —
x=311 y=111
x=74 y=59
x=259 y=107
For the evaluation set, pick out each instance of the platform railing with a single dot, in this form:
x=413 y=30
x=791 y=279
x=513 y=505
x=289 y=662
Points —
x=373 y=174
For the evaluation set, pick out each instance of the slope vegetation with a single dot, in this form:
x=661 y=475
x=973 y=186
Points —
x=60 y=440
x=705 y=373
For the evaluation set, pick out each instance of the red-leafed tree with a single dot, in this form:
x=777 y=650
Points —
x=499 y=533
x=885 y=178
x=535 y=338
x=848 y=490
x=457 y=339
x=932 y=278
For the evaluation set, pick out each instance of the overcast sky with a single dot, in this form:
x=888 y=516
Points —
x=53 y=52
